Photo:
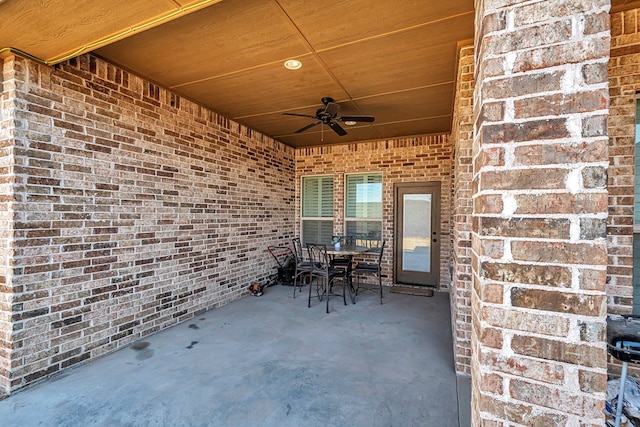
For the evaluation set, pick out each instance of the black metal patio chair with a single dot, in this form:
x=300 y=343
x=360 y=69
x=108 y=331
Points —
x=370 y=269
x=302 y=269
x=323 y=276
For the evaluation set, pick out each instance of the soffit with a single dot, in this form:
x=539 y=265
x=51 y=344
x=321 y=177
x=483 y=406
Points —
x=622 y=5
x=52 y=29
x=363 y=54
x=395 y=60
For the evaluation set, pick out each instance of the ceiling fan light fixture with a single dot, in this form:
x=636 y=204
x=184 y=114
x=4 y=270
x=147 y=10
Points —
x=350 y=123
x=292 y=64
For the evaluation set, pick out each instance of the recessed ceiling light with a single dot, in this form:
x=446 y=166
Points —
x=349 y=123
x=292 y=64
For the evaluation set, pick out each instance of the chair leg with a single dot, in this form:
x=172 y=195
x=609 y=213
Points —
x=344 y=290
x=310 y=286
x=295 y=283
x=380 y=285
x=328 y=291
x=357 y=287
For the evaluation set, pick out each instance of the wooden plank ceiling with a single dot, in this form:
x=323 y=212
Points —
x=395 y=60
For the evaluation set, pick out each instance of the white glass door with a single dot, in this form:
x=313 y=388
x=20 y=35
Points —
x=417 y=229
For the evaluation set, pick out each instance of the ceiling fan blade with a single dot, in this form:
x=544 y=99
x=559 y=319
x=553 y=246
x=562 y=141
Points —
x=299 y=115
x=368 y=119
x=337 y=128
x=307 y=127
x=332 y=109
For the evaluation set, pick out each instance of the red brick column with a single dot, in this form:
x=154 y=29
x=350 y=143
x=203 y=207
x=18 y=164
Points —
x=8 y=85
x=461 y=278
x=540 y=212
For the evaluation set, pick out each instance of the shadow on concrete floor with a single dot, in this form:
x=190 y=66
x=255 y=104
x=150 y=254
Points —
x=269 y=361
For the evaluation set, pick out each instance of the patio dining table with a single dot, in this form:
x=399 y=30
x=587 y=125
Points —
x=348 y=252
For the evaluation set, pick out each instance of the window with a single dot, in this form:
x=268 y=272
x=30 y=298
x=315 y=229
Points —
x=317 y=209
x=363 y=206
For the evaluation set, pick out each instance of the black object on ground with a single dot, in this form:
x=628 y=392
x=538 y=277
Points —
x=285 y=263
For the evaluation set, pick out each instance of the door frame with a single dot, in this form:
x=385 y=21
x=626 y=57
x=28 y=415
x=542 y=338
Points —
x=433 y=187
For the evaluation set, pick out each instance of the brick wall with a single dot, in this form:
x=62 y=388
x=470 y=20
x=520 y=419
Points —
x=7 y=111
x=461 y=283
x=540 y=212
x=624 y=82
x=418 y=159
x=135 y=209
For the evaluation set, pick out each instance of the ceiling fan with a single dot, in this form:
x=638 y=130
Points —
x=329 y=116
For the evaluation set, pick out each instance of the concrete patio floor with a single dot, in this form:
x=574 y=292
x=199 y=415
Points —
x=269 y=361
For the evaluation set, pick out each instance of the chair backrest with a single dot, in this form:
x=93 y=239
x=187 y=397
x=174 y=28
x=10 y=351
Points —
x=360 y=239
x=344 y=240
x=297 y=249
x=374 y=245
x=380 y=250
x=318 y=257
